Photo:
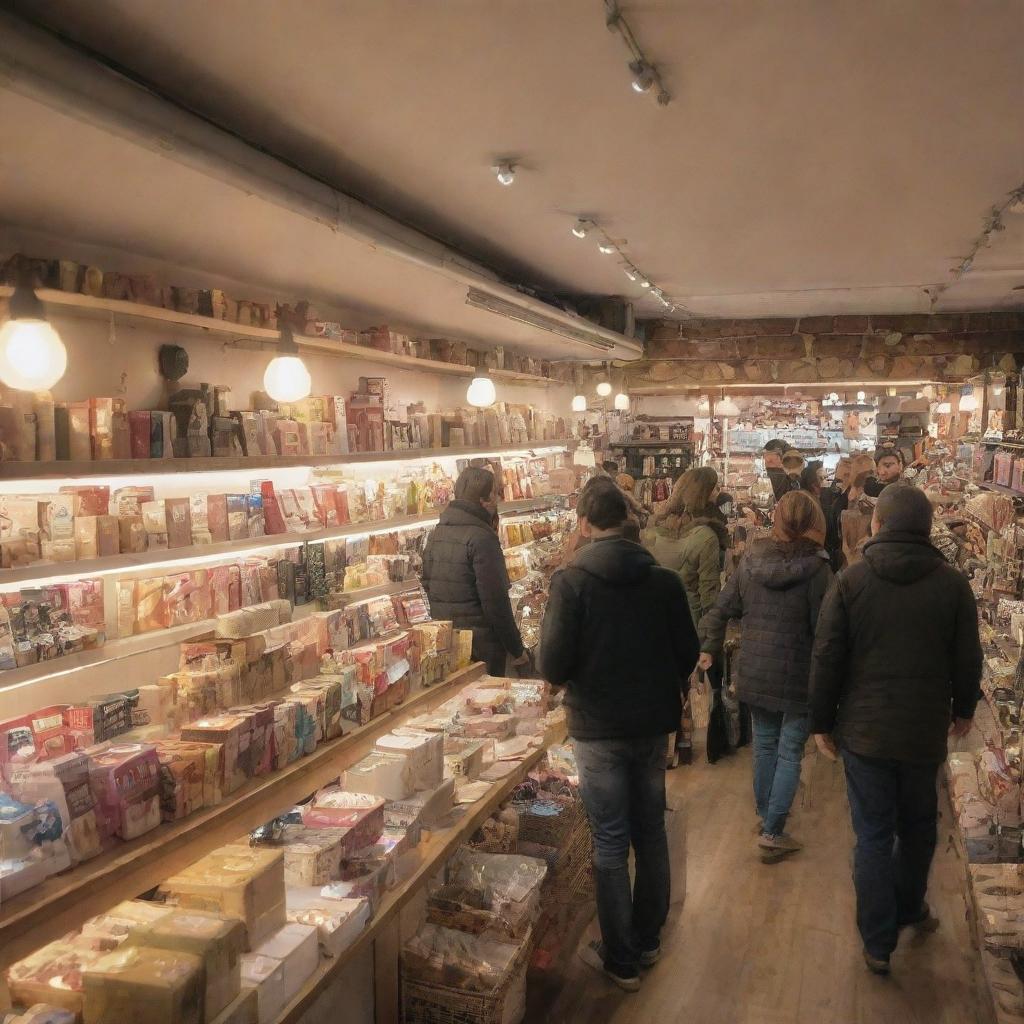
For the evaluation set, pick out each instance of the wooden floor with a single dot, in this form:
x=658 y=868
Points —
x=758 y=944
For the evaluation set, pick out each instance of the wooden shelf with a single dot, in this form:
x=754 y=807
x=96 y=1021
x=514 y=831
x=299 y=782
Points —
x=73 y=304
x=146 y=467
x=651 y=444
x=434 y=852
x=64 y=902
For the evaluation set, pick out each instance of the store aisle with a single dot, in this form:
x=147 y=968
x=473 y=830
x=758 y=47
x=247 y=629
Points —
x=777 y=945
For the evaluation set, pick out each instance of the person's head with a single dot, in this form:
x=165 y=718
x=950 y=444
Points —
x=811 y=478
x=888 y=465
x=631 y=529
x=858 y=483
x=798 y=516
x=842 y=473
x=773 y=452
x=902 y=510
x=626 y=482
x=793 y=462
x=602 y=510
x=861 y=463
x=476 y=485
x=694 y=491
x=725 y=503
x=610 y=467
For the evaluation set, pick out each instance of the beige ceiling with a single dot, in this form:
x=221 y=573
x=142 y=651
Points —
x=818 y=155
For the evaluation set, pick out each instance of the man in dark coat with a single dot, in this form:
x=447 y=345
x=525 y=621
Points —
x=464 y=572
x=896 y=666
x=619 y=637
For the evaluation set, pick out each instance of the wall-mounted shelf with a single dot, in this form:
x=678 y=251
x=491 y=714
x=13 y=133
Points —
x=64 y=902
x=651 y=444
x=146 y=467
x=73 y=304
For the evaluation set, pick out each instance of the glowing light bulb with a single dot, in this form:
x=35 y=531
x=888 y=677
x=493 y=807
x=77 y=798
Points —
x=997 y=389
x=604 y=389
x=622 y=402
x=726 y=408
x=581 y=228
x=32 y=356
x=860 y=396
x=943 y=408
x=605 y=249
x=481 y=392
x=286 y=379
x=579 y=403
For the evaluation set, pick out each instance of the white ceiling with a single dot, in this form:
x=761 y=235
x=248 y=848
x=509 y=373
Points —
x=816 y=157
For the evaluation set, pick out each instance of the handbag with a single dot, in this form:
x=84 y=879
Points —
x=700 y=701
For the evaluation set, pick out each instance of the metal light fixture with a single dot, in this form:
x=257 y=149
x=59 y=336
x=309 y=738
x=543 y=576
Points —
x=630 y=273
x=505 y=172
x=606 y=248
x=32 y=356
x=643 y=76
x=581 y=228
x=286 y=378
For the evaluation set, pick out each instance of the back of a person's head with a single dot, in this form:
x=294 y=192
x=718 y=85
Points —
x=603 y=507
x=792 y=461
x=692 y=492
x=474 y=484
x=809 y=477
x=862 y=463
x=776 y=444
x=798 y=516
x=904 y=509
x=611 y=468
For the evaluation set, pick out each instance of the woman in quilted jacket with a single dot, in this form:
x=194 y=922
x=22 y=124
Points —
x=775 y=593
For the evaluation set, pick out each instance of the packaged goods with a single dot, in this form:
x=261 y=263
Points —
x=143 y=986
x=338 y=921
x=422 y=809
x=424 y=752
x=311 y=856
x=384 y=775
x=296 y=947
x=265 y=976
x=361 y=815
x=52 y=974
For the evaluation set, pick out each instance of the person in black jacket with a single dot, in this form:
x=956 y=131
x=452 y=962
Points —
x=617 y=634
x=896 y=666
x=464 y=572
x=776 y=592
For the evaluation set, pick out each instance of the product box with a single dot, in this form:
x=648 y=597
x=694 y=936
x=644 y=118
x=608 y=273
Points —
x=359 y=815
x=338 y=921
x=135 y=985
x=179 y=522
x=140 y=429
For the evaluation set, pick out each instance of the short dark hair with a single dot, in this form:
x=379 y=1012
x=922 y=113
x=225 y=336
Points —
x=884 y=453
x=902 y=508
x=777 y=445
x=610 y=467
x=809 y=476
x=603 y=507
x=474 y=484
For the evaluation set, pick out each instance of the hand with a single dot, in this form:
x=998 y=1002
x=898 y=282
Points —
x=826 y=745
x=523 y=659
x=960 y=727
x=705 y=661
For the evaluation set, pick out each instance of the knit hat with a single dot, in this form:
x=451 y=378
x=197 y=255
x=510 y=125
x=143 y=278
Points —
x=904 y=509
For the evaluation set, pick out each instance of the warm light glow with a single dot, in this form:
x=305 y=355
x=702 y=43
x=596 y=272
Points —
x=727 y=407
x=622 y=402
x=604 y=389
x=287 y=380
x=968 y=403
x=579 y=403
x=860 y=396
x=481 y=393
x=943 y=408
x=997 y=390
x=32 y=356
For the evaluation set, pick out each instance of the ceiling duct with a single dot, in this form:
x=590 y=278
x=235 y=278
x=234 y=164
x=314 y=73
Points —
x=513 y=311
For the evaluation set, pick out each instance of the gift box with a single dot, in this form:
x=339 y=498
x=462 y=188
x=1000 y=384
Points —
x=235 y=881
x=359 y=816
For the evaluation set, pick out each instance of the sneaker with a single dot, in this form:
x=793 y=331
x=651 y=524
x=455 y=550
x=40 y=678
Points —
x=649 y=957
x=593 y=956
x=781 y=843
x=876 y=964
x=925 y=923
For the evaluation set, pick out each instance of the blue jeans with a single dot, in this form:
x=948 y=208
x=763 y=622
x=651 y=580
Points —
x=622 y=782
x=779 y=741
x=894 y=807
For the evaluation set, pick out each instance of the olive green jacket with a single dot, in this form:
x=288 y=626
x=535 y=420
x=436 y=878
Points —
x=695 y=553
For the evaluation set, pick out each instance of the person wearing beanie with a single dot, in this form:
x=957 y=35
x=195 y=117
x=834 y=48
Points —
x=896 y=667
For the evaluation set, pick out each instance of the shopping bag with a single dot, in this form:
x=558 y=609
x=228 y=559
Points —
x=700 y=700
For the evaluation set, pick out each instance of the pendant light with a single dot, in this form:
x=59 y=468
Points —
x=604 y=386
x=726 y=407
x=622 y=402
x=579 y=400
x=481 y=393
x=32 y=356
x=286 y=378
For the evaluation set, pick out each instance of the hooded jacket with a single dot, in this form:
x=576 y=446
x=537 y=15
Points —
x=897 y=652
x=466 y=580
x=692 y=546
x=776 y=591
x=617 y=635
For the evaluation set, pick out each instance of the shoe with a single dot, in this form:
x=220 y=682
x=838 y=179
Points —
x=924 y=924
x=592 y=955
x=781 y=843
x=876 y=964
x=649 y=957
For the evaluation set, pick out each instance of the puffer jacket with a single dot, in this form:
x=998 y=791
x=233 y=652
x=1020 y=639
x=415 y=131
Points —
x=897 y=652
x=692 y=546
x=776 y=592
x=466 y=581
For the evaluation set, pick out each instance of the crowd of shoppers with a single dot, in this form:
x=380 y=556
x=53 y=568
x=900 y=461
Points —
x=626 y=627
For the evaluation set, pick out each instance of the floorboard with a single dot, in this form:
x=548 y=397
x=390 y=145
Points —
x=759 y=944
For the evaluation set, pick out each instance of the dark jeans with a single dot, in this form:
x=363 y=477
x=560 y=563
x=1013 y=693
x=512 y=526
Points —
x=894 y=807
x=622 y=782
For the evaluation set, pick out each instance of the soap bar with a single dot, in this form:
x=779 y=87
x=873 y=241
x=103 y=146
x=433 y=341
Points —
x=423 y=808
x=297 y=948
x=385 y=775
x=338 y=922
x=425 y=752
x=236 y=881
x=143 y=986
x=311 y=856
x=217 y=941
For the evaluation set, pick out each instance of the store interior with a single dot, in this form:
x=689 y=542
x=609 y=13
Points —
x=271 y=277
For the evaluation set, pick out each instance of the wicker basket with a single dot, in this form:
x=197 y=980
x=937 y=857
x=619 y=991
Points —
x=550 y=819
x=427 y=1003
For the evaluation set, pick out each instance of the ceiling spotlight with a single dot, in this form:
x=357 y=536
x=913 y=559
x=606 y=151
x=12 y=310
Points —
x=622 y=402
x=643 y=76
x=645 y=283
x=286 y=378
x=606 y=248
x=581 y=228
x=579 y=403
x=630 y=273
x=657 y=293
x=506 y=172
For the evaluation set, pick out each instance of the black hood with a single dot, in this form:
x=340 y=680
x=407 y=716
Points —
x=778 y=565
x=901 y=557
x=615 y=561
x=466 y=513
